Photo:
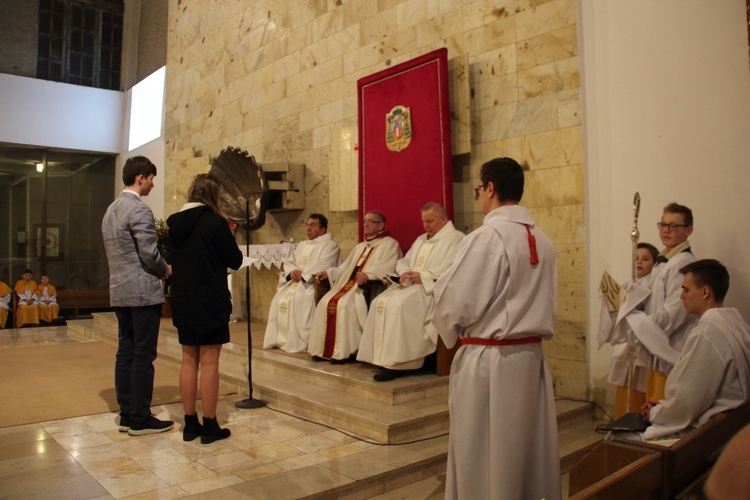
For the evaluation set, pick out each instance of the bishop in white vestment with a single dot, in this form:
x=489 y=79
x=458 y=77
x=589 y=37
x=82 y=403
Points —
x=292 y=308
x=499 y=298
x=396 y=336
x=340 y=315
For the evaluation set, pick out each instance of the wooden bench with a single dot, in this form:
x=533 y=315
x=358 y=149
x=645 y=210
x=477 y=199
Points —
x=618 y=470
x=83 y=299
x=693 y=455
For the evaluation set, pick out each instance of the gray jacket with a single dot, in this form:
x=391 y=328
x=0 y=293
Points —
x=135 y=265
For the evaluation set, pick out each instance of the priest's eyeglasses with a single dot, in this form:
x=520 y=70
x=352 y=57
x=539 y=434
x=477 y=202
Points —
x=671 y=227
x=477 y=189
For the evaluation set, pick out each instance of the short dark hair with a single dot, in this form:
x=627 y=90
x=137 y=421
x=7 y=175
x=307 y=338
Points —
x=710 y=273
x=676 y=208
x=322 y=219
x=651 y=249
x=26 y=271
x=135 y=166
x=507 y=176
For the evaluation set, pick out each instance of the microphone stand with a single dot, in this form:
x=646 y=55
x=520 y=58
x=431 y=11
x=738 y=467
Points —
x=248 y=403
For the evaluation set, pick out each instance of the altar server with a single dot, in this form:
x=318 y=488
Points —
x=499 y=298
x=47 y=300
x=28 y=312
x=712 y=374
x=5 y=292
x=293 y=306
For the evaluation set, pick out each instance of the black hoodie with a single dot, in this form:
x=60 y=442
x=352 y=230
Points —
x=201 y=247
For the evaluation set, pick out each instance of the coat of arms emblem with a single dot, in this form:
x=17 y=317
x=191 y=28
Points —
x=398 y=128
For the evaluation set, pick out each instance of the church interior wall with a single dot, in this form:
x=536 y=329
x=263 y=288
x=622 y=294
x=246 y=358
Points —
x=278 y=79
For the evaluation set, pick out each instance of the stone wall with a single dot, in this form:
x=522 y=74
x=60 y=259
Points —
x=278 y=79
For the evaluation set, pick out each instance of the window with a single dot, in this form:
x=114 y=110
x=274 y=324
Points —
x=80 y=42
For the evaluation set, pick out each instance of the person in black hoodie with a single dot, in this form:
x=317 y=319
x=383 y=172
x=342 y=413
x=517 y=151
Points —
x=201 y=247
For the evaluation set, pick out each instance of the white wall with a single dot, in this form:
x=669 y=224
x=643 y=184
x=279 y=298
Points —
x=666 y=112
x=59 y=115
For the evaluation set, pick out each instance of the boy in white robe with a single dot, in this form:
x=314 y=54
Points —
x=712 y=374
x=499 y=297
x=340 y=315
x=292 y=308
x=396 y=336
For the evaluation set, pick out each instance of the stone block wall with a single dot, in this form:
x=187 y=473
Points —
x=278 y=79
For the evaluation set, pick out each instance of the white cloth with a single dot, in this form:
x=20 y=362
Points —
x=292 y=308
x=351 y=310
x=395 y=334
x=624 y=353
x=4 y=301
x=28 y=294
x=658 y=331
x=711 y=376
x=503 y=425
x=46 y=296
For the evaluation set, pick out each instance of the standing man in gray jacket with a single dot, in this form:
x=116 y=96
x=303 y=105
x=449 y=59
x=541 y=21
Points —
x=135 y=268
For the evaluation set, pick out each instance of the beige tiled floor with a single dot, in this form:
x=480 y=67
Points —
x=269 y=455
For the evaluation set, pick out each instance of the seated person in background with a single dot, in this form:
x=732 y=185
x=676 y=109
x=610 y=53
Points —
x=620 y=368
x=396 y=336
x=340 y=315
x=47 y=300
x=5 y=292
x=293 y=306
x=28 y=312
x=712 y=374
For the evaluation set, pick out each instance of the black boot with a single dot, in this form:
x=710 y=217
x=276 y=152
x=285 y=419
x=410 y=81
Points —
x=212 y=432
x=192 y=427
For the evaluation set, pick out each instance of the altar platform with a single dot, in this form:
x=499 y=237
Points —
x=408 y=410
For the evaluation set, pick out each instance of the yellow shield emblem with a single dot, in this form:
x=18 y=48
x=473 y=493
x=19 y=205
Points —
x=398 y=128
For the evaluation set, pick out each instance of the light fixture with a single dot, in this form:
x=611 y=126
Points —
x=40 y=167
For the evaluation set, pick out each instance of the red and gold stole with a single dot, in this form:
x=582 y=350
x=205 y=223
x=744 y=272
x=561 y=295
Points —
x=333 y=303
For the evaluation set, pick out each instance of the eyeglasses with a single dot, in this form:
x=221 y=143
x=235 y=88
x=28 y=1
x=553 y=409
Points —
x=477 y=189
x=671 y=227
x=372 y=221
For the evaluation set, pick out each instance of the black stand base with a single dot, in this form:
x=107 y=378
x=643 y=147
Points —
x=250 y=404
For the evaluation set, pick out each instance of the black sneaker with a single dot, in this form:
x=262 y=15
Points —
x=124 y=424
x=152 y=425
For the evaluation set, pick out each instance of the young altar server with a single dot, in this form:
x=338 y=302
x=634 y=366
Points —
x=47 y=300
x=28 y=312
x=5 y=292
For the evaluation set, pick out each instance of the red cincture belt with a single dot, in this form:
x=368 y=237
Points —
x=525 y=340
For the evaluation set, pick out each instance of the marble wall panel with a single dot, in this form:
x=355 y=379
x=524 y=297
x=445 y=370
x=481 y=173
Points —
x=569 y=341
x=548 y=47
x=552 y=186
x=571 y=304
x=278 y=78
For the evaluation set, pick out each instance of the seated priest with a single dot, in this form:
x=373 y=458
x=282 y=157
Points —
x=396 y=336
x=47 y=300
x=5 y=292
x=712 y=374
x=340 y=315
x=293 y=306
x=28 y=312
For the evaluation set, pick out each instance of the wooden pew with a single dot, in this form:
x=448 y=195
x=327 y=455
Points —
x=618 y=470
x=693 y=455
x=83 y=299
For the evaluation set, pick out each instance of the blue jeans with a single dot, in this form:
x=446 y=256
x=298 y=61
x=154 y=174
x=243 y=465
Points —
x=134 y=363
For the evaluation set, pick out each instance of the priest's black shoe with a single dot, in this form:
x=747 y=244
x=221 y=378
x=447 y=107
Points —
x=212 y=432
x=385 y=374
